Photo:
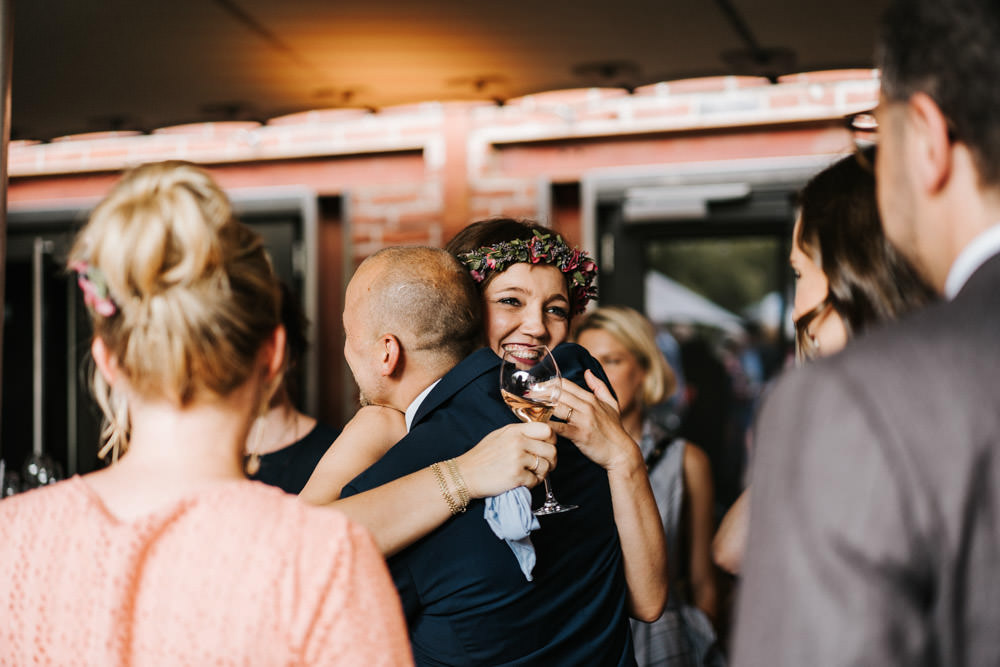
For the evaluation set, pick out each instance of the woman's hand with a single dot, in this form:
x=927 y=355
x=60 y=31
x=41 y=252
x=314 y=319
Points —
x=593 y=423
x=512 y=456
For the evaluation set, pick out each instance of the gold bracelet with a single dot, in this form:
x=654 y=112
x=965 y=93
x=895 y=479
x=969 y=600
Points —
x=460 y=487
x=443 y=485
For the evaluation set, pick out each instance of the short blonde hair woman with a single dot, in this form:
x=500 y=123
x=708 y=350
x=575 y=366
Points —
x=185 y=561
x=623 y=340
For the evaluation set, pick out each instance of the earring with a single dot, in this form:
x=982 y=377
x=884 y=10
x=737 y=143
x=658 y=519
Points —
x=813 y=343
x=251 y=463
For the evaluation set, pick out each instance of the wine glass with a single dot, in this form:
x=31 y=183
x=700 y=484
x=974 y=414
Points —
x=530 y=384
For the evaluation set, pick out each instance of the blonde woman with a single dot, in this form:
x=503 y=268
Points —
x=170 y=555
x=623 y=341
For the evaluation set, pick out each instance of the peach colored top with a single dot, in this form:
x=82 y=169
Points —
x=240 y=574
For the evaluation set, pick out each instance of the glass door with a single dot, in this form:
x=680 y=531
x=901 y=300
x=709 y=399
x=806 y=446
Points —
x=715 y=287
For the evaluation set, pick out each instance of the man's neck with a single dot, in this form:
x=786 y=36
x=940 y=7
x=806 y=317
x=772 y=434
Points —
x=973 y=255
x=413 y=383
x=965 y=210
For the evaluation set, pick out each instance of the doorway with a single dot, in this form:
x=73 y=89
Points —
x=702 y=251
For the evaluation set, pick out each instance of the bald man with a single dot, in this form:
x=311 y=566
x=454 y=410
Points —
x=410 y=315
x=411 y=319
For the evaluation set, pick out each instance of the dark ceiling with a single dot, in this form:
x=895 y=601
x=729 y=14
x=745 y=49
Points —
x=91 y=65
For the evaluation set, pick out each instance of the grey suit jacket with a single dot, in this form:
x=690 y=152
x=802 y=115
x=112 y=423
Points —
x=875 y=503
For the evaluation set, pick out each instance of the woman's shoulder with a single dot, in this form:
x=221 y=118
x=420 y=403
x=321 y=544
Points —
x=370 y=434
x=45 y=505
x=272 y=505
x=321 y=541
x=696 y=462
x=281 y=528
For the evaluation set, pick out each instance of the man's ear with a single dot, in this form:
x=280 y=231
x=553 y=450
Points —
x=391 y=355
x=106 y=365
x=932 y=145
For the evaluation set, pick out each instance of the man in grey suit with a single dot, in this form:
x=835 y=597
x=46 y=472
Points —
x=875 y=510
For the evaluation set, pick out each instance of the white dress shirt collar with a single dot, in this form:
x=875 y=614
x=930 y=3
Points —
x=411 y=410
x=973 y=255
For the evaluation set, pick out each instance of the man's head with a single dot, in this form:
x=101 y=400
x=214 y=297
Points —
x=939 y=131
x=410 y=315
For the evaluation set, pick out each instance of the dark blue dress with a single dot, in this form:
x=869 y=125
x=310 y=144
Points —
x=465 y=598
x=290 y=467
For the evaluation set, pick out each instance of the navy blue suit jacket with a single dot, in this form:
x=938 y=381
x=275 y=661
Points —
x=465 y=598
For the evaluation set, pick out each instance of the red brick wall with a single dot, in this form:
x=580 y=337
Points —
x=417 y=174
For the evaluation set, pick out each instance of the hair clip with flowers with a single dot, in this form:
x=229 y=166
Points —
x=94 y=287
x=580 y=269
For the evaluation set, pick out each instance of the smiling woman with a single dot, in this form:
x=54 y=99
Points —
x=526 y=305
x=532 y=284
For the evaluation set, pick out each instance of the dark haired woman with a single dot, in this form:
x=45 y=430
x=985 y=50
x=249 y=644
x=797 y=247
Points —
x=286 y=444
x=533 y=284
x=848 y=278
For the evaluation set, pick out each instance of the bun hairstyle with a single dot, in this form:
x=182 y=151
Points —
x=193 y=291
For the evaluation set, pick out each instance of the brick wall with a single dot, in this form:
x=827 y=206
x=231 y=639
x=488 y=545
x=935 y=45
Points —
x=417 y=174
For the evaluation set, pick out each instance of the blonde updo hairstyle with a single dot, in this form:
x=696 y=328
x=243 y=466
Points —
x=636 y=334
x=194 y=291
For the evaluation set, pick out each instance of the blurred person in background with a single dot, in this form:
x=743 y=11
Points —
x=848 y=279
x=288 y=442
x=623 y=341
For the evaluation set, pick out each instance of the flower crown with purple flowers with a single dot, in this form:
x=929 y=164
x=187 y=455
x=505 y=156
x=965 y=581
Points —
x=580 y=269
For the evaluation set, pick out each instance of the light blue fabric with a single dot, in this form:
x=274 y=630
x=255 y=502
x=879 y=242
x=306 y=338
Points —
x=509 y=516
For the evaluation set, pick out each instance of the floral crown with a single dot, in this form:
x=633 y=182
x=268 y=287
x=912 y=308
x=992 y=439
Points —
x=95 y=288
x=580 y=269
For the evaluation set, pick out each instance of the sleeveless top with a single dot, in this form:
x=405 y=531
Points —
x=683 y=635
x=290 y=467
